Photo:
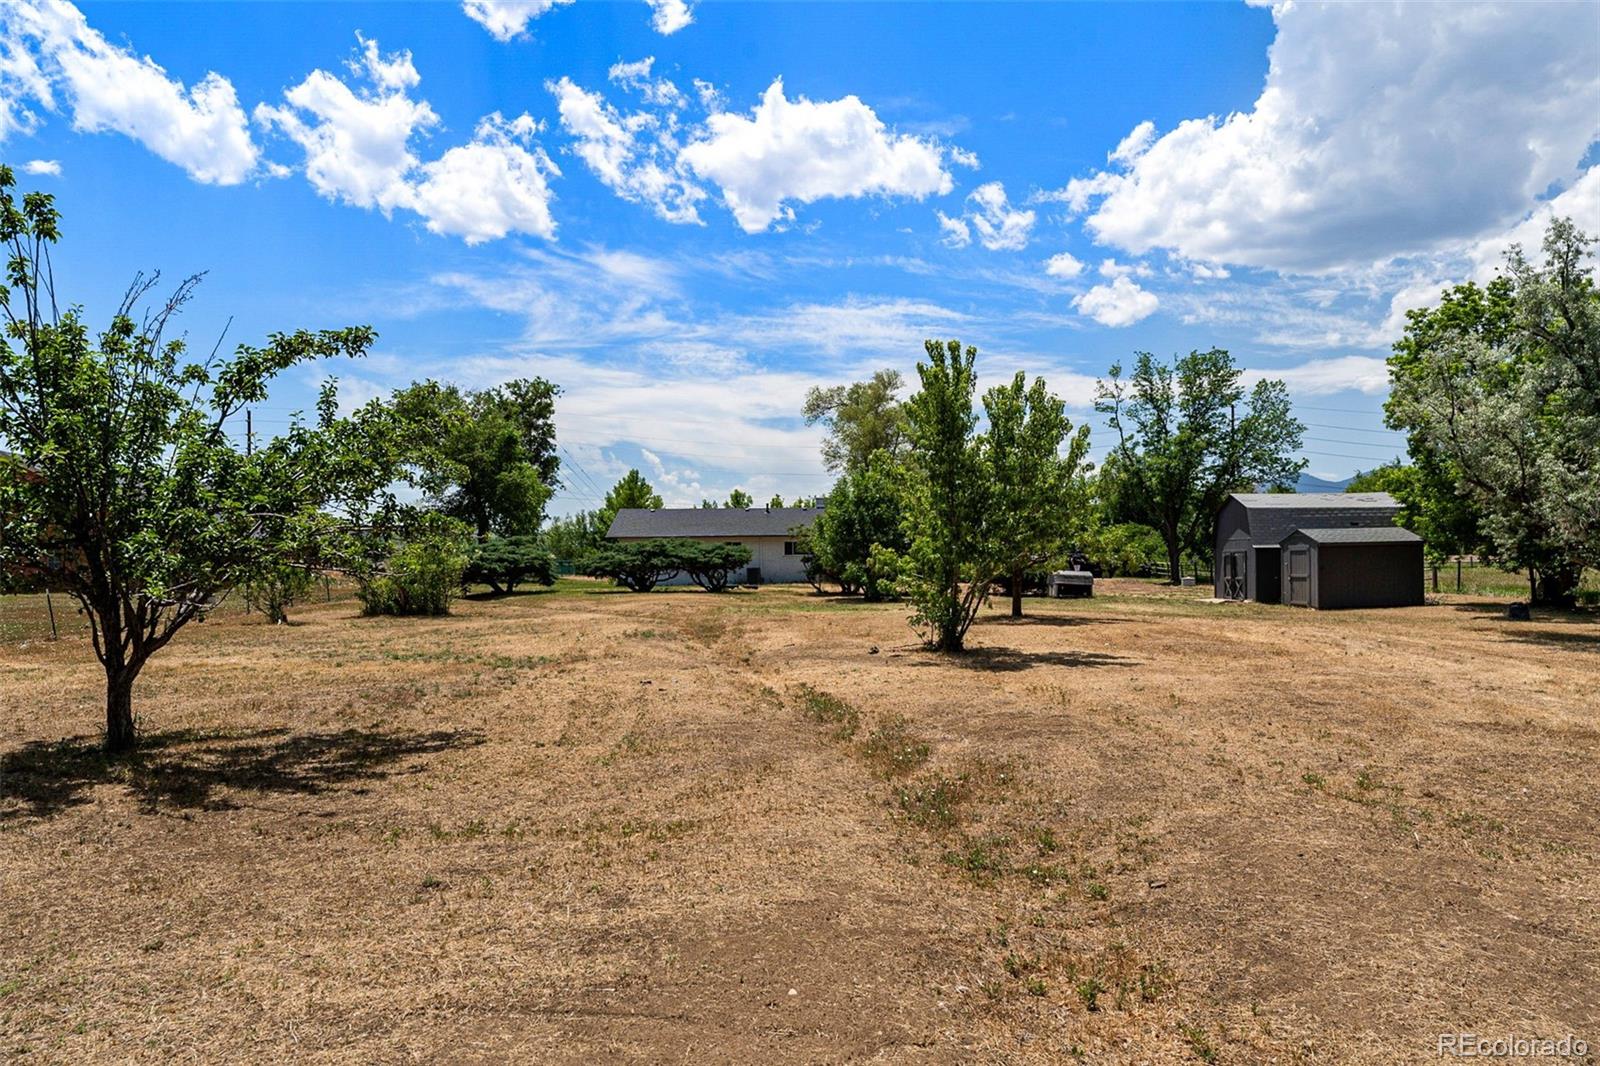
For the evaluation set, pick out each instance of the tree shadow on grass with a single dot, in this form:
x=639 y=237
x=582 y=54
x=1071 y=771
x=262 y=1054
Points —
x=1009 y=660
x=198 y=769
x=1581 y=640
x=1053 y=620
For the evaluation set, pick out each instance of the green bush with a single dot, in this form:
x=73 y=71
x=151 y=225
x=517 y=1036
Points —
x=275 y=590
x=420 y=577
x=641 y=565
x=711 y=565
x=503 y=563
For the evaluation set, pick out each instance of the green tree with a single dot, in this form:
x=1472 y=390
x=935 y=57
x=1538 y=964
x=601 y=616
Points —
x=503 y=563
x=638 y=565
x=777 y=500
x=486 y=457
x=946 y=569
x=633 y=491
x=1039 y=502
x=740 y=500
x=862 y=419
x=1183 y=443
x=572 y=537
x=422 y=570
x=864 y=514
x=127 y=488
x=276 y=588
x=710 y=565
x=1499 y=390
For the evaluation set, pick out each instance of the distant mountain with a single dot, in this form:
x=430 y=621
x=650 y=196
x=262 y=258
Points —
x=1308 y=483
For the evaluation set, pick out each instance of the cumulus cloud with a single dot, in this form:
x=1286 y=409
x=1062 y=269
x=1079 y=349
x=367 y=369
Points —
x=358 y=145
x=802 y=151
x=49 y=48
x=1063 y=265
x=43 y=166
x=989 y=213
x=634 y=154
x=357 y=142
x=1121 y=303
x=506 y=19
x=1377 y=135
x=1324 y=377
x=669 y=16
x=491 y=187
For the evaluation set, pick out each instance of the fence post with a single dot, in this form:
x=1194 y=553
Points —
x=1458 y=573
x=1436 y=577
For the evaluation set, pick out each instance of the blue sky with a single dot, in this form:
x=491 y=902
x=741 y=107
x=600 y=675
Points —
x=687 y=214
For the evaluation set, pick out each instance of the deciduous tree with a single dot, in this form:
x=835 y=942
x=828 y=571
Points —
x=127 y=489
x=862 y=419
x=1188 y=434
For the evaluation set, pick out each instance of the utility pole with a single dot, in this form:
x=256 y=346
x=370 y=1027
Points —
x=249 y=432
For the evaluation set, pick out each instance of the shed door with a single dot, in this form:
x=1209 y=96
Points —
x=1235 y=573
x=1299 y=590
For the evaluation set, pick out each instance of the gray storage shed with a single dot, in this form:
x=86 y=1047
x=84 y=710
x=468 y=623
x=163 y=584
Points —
x=1345 y=567
x=1251 y=527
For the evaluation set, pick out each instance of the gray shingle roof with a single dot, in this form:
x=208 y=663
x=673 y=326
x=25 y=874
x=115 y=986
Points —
x=710 y=521
x=1360 y=535
x=1271 y=516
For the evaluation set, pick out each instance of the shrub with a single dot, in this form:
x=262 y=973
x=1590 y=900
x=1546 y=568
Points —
x=420 y=577
x=711 y=565
x=637 y=566
x=503 y=563
x=275 y=589
x=641 y=565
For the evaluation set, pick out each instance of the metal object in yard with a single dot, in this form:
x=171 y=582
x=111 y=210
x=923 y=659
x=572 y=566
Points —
x=1065 y=584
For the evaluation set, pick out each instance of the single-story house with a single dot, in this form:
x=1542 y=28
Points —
x=767 y=531
x=1255 y=530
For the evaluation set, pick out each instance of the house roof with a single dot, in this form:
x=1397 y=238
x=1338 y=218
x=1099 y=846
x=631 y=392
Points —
x=710 y=521
x=1359 y=535
x=1317 y=501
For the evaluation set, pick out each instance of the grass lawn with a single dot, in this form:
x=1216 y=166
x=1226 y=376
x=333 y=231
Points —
x=580 y=825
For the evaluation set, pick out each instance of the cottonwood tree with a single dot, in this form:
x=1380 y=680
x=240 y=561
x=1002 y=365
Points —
x=863 y=419
x=740 y=500
x=632 y=491
x=1188 y=434
x=126 y=491
x=864 y=516
x=1502 y=389
x=487 y=457
x=1039 y=500
x=947 y=567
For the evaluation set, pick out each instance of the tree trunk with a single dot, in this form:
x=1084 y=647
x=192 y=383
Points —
x=1174 y=562
x=1016 y=594
x=119 y=712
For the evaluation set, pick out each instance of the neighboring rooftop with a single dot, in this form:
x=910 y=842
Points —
x=1316 y=501
x=1360 y=535
x=710 y=521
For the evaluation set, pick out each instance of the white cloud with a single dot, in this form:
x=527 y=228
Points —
x=358 y=151
x=957 y=234
x=963 y=158
x=505 y=19
x=1121 y=303
x=638 y=77
x=1110 y=268
x=989 y=212
x=801 y=150
x=634 y=155
x=493 y=186
x=1323 y=377
x=357 y=143
x=43 y=166
x=1378 y=134
x=1063 y=265
x=669 y=16
x=49 y=44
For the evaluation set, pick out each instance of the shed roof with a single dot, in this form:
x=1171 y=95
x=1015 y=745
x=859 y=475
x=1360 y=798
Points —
x=1359 y=535
x=710 y=521
x=1271 y=516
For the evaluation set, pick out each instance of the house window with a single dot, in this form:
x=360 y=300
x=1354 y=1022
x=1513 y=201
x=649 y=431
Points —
x=791 y=547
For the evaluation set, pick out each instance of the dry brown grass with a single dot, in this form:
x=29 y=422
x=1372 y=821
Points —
x=682 y=827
